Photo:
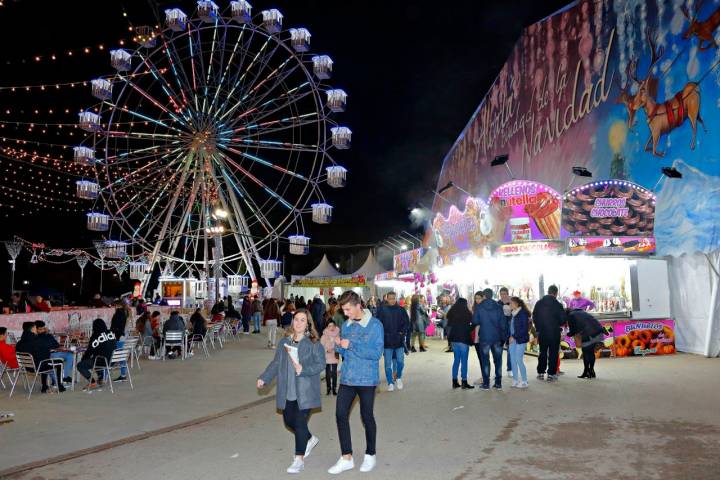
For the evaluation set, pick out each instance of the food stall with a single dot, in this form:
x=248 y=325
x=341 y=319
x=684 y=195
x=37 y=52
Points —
x=597 y=239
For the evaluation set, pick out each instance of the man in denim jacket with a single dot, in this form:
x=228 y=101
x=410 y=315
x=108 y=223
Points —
x=361 y=346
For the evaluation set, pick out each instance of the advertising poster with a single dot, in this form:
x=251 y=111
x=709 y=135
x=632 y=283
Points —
x=610 y=208
x=644 y=337
x=470 y=230
x=526 y=211
x=405 y=262
x=347 y=281
x=611 y=245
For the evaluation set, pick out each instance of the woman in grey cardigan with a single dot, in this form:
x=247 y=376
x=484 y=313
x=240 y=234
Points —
x=298 y=381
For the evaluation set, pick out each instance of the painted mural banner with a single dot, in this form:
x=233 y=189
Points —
x=473 y=229
x=644 y=337
x=621 y=88
x=526 y=211
x=405 y=262
x=609 y=208
x=611 y=245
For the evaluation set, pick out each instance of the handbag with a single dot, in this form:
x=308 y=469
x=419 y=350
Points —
x=430 y=330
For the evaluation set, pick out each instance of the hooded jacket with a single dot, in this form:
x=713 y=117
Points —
x=175 y=323
x=459 y=322
x=118 y=322
x=548 y=317
x=489 y=315
x=45 y=343
x=361 y=359
x=582 y=323
x=521 y=326
x=246 y=308
x=28 y=344
x=102 y=342
x=396 y=324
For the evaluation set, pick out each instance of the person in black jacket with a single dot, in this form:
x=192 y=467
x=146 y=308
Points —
x=518 y=340
x=29 y=343
x=588 y=330
x=459 y=325
x=47 y=343
x=101 y=344
x=117 y=327
x=504 y=302
x=548 y=318
x=396 y=325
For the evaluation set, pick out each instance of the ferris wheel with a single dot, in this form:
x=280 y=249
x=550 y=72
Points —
x=211 y=141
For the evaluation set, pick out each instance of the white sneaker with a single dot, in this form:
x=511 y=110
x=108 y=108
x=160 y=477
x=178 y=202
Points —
x=368 y=463
x=391 y=388
x=515 y=384
x=510 y=374
x=523 y=385
x=297 y=466
x=311 y=444
x=342 y=465
x=399 y=383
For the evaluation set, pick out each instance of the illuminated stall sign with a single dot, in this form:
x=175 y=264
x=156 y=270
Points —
x=345 y=281
x=611 y=245
x=526 y=211
x=529 y=248
x=405 y=262
x=385 y=276
x=470 y=230
x=611 y=208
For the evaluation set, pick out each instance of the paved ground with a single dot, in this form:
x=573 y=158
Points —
x=646 y=418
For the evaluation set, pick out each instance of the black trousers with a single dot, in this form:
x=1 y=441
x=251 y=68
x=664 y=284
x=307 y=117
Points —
x=589 y=358
x=345 y=398
x=549 y=353
x=246 y=323
x=296 y=421
x=84 y=367
x=478 y=352
x=331 y=376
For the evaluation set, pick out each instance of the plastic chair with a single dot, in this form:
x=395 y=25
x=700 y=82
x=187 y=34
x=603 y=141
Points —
x=27 y=366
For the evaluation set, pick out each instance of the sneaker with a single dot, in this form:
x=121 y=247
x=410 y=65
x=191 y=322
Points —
x=391 y=388
x=90 y=386
x=541 y=376
x=497 y=386
x=478 y=382
x=121 y=378
x=297 y=466
x=523 y=385
x=190 y=354
x=484 y=387
x=399 y=383
x=310 y=445
x=515 y=384
x=552 y=378
x=560 y=372
x=509 y=373
x=67 y=380
x=368 y=463
x=342 y=465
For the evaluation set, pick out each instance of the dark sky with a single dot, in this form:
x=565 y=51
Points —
x=414 y=70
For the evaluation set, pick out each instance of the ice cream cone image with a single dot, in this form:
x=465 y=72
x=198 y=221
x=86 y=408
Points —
x=546 y=214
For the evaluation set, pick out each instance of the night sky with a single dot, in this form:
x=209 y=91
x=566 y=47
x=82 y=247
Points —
x=414 y=71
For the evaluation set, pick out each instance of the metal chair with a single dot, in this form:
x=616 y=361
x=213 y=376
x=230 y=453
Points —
x=198 y=339
x=9 y=372
x=27 y=366
x=173 y=338
x=214 y=334
x=131 y=343
x=118 y=360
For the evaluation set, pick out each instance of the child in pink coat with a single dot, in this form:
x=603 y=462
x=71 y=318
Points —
x=331 y=357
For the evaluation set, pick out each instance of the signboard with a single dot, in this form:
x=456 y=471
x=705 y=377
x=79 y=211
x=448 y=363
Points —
x=526 y=211
x=570 y=350
x=347 y=281
x=611 y=245
x=644 y=337
x=470 y=230
x=405 y=262
x=528 y=248
x=609 y=208
x=385 y=276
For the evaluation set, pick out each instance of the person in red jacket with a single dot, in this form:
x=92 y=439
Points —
x=7 y=352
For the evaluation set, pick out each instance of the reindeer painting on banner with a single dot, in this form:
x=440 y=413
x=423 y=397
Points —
x=620 y=87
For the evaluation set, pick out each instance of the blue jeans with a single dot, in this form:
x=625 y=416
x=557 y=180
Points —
x=123 y=370
x=460 y=352
x=517 y=359
x=497 y=351
x=67 y=358
x=256 y=318
x=394 y=360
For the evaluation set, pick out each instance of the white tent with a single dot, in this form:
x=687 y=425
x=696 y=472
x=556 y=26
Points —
x=324 y=269
x=370 y=268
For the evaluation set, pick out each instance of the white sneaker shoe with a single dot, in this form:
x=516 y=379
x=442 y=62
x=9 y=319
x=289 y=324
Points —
x=342 y=465
x=311 y=444
x=391 y=387
x=399 y=383
x=515 y=384
x=510 y=374
x=523 y=385
x=368 y=463
x=297 y=466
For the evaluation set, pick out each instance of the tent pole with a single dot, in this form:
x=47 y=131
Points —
x=711 y=318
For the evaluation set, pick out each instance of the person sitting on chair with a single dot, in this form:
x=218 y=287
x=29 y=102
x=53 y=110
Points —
x=29 y=343
x=101 y=346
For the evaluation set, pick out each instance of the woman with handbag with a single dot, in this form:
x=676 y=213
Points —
x=297 y=366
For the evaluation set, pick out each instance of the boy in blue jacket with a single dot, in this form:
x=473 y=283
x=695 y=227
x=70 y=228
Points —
x=361 y=346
